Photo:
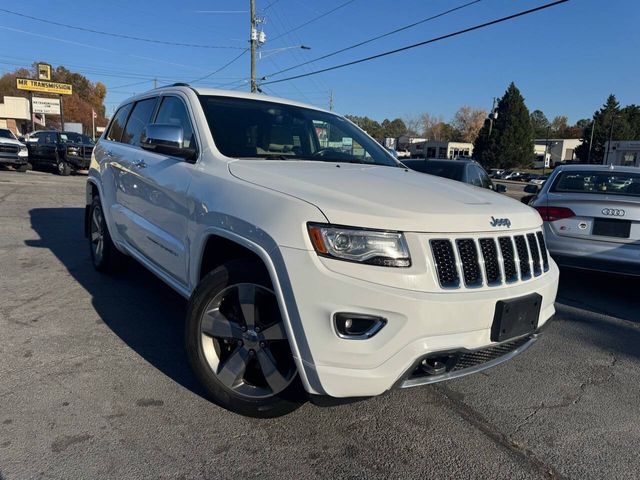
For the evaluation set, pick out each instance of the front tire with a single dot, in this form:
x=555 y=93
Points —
x=104 y=254
x=62 y=167
x=237 y=344
x=23 y=168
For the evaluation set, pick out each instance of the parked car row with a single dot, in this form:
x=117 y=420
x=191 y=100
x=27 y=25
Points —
x=13 y=152
x=65 y=151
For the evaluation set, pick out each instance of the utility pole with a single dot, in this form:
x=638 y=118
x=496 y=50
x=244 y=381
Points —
x=254 y=42
x=492 y=115
x=606 y=159
x=546 y=148
x=331 y=100
x=593 y=128
x=155 y=83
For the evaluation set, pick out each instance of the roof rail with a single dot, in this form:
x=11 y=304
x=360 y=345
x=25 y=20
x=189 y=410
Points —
x=180 y=84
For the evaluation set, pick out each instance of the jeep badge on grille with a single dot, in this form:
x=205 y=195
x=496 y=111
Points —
x=500 y=222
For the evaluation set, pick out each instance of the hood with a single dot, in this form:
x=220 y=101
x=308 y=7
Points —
x=11 y=141
x=388 y=198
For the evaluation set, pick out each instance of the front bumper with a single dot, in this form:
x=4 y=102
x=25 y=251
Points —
x=418 y=323
x=13 y=159
x=78 y=162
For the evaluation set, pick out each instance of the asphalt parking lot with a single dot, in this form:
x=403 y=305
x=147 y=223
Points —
x=94 y=381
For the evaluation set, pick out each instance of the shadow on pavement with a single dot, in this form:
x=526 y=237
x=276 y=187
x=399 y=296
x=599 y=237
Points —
x=145 y=313
x=613 y=295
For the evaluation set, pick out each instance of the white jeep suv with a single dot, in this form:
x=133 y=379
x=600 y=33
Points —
x=312 y=259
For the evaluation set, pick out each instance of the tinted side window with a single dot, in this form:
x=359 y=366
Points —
x=173 y=111
x=474 y=176
x=484 y=178
x=138 y=121
x=117 y=125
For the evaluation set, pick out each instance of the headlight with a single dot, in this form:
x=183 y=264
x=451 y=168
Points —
x=73 y=150
x=388 y=249
x=23 y=151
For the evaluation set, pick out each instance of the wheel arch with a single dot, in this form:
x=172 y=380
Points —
x=268 y=258
x=91 y=191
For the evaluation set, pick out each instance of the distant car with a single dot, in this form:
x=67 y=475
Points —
x=539 y=179
x=404 y=154
x=591 y=217
x=467 y=171
x=496 y=173
x=66 y=151
x=512 y=175
x=13 y=152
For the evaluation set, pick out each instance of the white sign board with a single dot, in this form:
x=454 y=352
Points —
x=50 y=106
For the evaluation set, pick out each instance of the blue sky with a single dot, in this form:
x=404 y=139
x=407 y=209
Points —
x=565 y=60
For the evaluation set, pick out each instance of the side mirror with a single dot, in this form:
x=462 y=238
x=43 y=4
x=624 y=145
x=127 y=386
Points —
x=533 y=189
x=500 y=188
x=167 y=139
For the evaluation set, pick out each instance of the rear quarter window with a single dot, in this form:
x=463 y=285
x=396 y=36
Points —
x=117 y=124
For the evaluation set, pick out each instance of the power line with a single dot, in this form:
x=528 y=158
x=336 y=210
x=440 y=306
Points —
x=406 y=27
x=270 y=5
x=129 y=85
x=222 y=67
x=419 y=44
x=116 y=35
x=314 y=19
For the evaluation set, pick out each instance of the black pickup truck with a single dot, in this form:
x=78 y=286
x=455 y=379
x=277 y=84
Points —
x=66 y=151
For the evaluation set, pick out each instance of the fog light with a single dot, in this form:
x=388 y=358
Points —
x=356 y=326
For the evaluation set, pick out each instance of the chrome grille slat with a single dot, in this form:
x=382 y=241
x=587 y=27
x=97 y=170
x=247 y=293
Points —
x=535 y=254
x=543 y=250
x=492 y=271
x=469 y=264
x=472 y=262
x=523 y=257
x=507 y=251
x=445 y=262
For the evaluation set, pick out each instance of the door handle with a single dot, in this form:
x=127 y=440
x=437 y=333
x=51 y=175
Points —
x=139 y=164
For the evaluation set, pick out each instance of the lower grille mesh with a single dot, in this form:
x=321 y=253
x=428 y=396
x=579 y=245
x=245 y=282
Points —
x=478 y=357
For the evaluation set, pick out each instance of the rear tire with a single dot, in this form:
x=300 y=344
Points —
x=105 y=256
x=237 y=344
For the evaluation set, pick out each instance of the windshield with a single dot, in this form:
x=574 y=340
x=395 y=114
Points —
x=449 y=169
x=244 y=128
x=4 y=133
x=605 y=183
x=71 y=137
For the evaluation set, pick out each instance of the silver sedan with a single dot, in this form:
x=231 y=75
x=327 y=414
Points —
x=591 y=217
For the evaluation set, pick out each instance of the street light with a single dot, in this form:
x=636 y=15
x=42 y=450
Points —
x=273 y=51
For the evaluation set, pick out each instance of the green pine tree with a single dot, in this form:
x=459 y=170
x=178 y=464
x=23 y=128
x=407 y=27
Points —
x=510 y=144
x=601 y=125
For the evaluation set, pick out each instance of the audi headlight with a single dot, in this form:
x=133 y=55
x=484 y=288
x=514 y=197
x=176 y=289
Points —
x=388 y=249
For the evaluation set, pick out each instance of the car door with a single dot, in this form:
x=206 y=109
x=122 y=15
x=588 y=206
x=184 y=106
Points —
x=123 y=151
x=161 y=210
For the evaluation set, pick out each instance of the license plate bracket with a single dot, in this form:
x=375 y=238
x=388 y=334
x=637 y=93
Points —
x=515 y=317
x=609 y=227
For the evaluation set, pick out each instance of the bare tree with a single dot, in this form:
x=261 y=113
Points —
x=414 y=124
x=433 y=126
x=468 y=121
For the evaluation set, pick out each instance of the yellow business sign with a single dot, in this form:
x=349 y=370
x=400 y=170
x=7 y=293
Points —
x=44 y=71
x=43 y=86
